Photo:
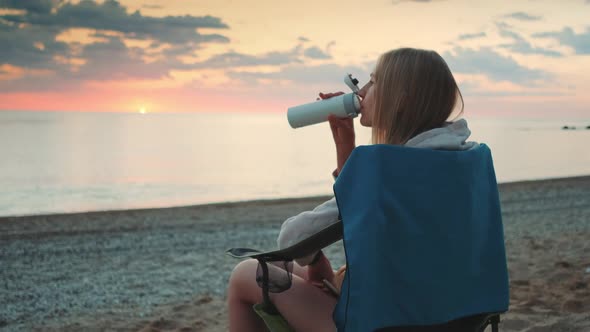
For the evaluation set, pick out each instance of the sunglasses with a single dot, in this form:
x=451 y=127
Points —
x=280 y=276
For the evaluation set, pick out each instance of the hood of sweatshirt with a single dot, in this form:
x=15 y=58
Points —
x=451 y=136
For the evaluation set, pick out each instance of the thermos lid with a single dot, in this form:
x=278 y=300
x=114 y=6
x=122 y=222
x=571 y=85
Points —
x=352 y=104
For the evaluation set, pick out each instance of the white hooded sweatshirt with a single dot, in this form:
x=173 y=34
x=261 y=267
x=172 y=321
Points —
x=452 y=136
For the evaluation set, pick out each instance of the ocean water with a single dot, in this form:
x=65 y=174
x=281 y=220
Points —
x=53 y=162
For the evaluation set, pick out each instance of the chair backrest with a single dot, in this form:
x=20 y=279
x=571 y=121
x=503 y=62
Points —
x=423 y=237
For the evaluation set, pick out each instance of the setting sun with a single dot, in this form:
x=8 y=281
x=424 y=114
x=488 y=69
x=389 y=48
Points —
x=142 y=110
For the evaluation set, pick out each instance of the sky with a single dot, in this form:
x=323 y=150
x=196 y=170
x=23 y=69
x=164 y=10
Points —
x=521 y=59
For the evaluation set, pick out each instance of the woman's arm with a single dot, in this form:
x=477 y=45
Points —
x=344 y=138
x=305 y=224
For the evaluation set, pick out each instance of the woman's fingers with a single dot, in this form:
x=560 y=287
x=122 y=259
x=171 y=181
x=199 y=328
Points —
x=330 y=95
x=342 y=130
x=335 y=125
x=333 y=120
x=336 y=122
x=340 y=124
x=323 y=287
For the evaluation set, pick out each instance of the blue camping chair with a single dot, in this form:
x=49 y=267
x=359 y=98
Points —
x=423 y=238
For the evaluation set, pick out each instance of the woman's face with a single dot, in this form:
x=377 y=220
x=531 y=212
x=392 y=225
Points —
x=367 y=103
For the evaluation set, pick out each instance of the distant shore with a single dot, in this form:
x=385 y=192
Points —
x=165 y=270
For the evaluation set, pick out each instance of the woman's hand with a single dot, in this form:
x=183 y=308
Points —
x=342 y=128
x=342 y=132
x=329 y=95
x=320 y=270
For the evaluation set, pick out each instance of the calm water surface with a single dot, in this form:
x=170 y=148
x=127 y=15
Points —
x=66 y=162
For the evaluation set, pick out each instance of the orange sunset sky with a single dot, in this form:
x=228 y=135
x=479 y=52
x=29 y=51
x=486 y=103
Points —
x=511 y=58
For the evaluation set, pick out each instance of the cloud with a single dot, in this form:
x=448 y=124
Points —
x=472 y=36
x=152 y=7
x=31 y=47
x=522 y=16
x=330 y=45
x=315 y=52
x=112 y=16
x=175 y=51
x=129 y=62
x=31 y=6
x=32 y=39
x=493 y=65
x=505 y=31
x=524 y=47
x=520 y=45
x=44 y=61
x=106 y=60
x=231 y=59
x=579 y=42
x=319 y=74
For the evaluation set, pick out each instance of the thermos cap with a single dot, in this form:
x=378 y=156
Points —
x=352 y=104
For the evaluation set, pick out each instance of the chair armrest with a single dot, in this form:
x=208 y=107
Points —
x=305 y=247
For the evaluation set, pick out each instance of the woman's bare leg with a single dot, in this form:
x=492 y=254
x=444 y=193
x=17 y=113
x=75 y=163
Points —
x=242 y=294
x=304 y=306
x=299 y=270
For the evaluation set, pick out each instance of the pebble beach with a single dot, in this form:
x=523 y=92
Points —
x=165 y=269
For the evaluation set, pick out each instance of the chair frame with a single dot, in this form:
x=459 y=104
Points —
x=308 y=246
x=326 y=237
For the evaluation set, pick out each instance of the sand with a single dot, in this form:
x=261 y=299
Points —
x=165 y=269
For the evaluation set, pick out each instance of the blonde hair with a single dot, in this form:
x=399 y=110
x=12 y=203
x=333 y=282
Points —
x=415 y=91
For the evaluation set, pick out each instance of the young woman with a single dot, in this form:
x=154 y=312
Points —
x=408 y=101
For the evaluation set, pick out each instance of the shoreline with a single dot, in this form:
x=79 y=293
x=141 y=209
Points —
x=263 y=201
x=164 y=269
x=257 y=202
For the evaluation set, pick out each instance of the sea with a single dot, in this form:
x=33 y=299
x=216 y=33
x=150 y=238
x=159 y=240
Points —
x=63 y=162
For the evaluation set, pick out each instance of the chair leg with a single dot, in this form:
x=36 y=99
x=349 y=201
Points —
x=494 y=320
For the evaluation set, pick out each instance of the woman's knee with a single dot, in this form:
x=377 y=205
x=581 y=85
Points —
x=243 y=274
